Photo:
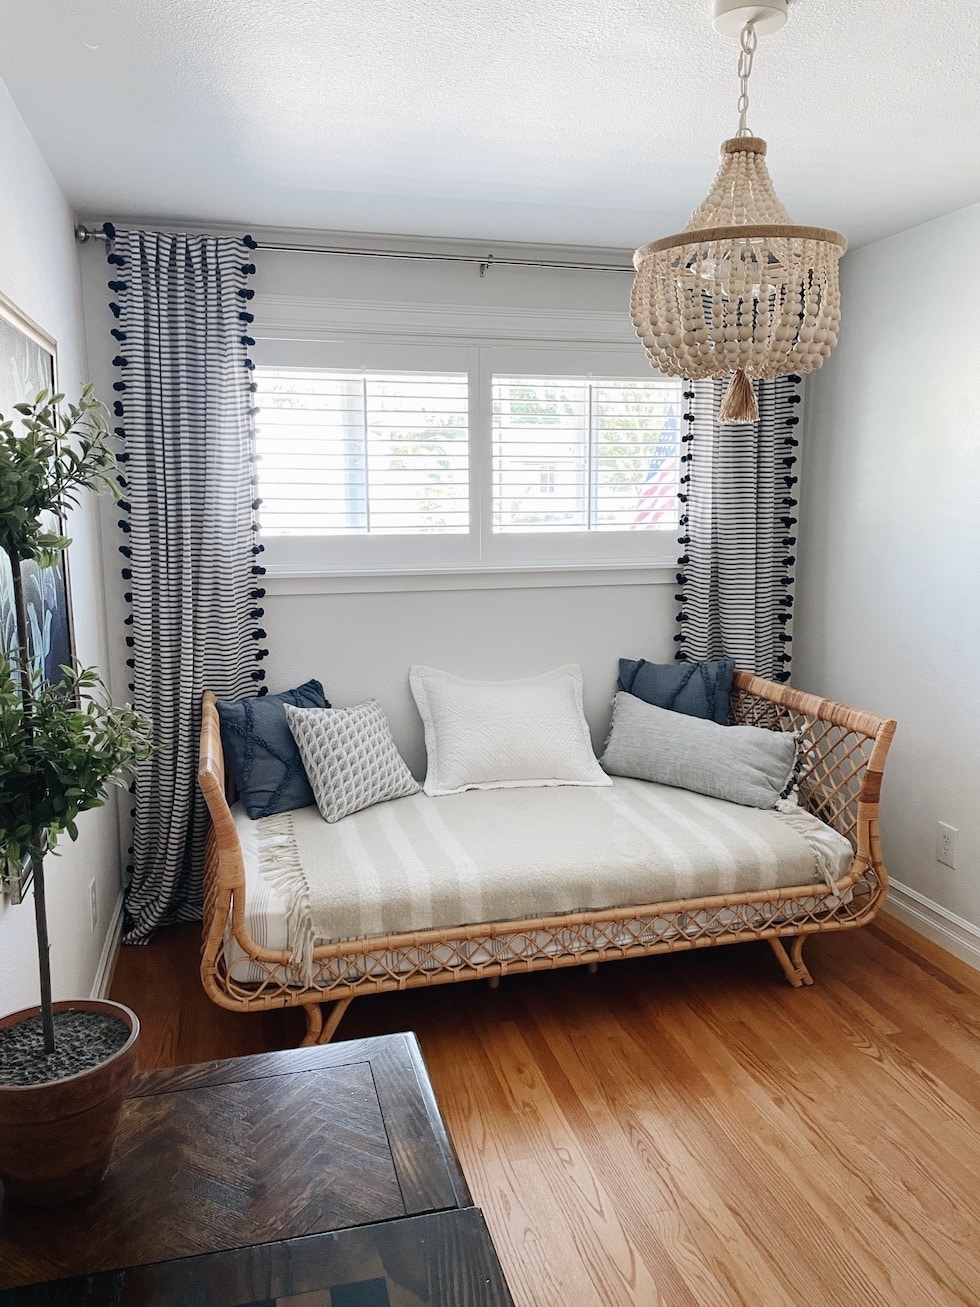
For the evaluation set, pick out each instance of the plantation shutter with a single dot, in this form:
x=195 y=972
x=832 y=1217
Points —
x=584 y=454
x=362 y=453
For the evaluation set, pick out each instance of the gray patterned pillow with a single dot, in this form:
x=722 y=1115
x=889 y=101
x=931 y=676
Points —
x=350 y=758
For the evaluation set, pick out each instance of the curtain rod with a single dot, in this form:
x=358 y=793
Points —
x=83 y=234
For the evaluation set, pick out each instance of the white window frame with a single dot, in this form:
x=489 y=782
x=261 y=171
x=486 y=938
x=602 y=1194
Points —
x=442 y=340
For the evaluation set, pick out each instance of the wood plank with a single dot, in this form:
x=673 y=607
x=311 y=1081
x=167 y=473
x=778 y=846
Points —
x=581 y=1201
x=687 y=1127
x=773 y=1141
x=262 y=1066
x=428 y=1169
x=516 y=1182
x=439 y=1260
x=681 y=1219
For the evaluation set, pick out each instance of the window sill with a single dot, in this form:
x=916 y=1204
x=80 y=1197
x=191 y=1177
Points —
x=470 y=578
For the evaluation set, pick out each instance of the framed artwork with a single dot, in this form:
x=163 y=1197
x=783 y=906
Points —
x=27 y=366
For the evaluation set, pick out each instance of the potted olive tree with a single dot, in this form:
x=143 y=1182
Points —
x=64 y=1067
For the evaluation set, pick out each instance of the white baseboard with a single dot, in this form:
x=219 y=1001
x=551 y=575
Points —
x=955 y=934
x=110 y=950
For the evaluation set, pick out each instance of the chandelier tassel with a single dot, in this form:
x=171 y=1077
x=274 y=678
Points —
x=740 y=403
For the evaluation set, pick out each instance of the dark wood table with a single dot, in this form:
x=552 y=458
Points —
x=324 y=1175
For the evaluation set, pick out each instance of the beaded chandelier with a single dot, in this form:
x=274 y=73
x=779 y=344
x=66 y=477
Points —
x=742 y=291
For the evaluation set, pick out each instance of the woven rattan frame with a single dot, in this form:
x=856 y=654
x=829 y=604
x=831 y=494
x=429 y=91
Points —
x=842 y=757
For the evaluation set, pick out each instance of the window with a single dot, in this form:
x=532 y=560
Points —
x=431 y=456
x=341 y=453
x=576 y=454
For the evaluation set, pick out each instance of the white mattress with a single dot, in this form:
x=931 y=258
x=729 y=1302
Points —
x=627 y=831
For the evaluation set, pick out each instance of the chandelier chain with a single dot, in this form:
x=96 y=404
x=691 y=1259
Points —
x=748 y=40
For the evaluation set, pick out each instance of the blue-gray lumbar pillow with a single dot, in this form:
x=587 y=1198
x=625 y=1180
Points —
x=260 y=751
x=743 y=764
x=697 y=689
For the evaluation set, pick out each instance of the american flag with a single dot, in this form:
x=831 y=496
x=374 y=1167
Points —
x=656 y=504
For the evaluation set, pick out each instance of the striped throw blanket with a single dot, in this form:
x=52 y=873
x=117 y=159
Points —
x=420 y=863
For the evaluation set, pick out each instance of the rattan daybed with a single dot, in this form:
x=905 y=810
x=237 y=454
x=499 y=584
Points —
x=841 y=759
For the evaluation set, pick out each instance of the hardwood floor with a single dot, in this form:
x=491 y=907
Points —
x=684 y=1130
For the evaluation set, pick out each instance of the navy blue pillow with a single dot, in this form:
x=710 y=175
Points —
x=697 y=689
x=260 y=752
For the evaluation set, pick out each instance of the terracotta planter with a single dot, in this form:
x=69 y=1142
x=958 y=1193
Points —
x=56 y=1138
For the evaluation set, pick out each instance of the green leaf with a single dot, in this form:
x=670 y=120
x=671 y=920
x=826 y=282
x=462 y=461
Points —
x=61 y=746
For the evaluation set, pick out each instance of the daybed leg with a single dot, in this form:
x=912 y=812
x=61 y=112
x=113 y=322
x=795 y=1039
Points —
x=314 y=1024
x=794 y=968
x=494 y=982
x=319 y=1031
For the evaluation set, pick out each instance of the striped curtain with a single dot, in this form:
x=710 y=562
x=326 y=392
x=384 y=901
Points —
x=738 y=529
x=184 y=407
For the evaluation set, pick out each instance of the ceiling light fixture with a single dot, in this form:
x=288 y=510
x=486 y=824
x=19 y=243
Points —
x=742 y=291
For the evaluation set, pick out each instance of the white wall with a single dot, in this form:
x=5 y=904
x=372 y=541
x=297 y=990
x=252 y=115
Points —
x=361 y=645
x=888 y=614
x=39 y=272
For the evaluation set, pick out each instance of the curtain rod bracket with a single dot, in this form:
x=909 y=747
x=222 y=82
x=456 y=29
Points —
x=83 y=234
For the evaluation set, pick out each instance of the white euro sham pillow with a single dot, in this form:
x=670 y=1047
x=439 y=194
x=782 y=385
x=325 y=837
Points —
x=486 y=735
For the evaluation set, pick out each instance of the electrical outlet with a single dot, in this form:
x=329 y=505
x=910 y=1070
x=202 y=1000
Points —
x=946 y=844
x=93 y=904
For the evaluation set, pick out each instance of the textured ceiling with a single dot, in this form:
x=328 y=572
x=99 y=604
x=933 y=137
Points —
x=576 y=122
